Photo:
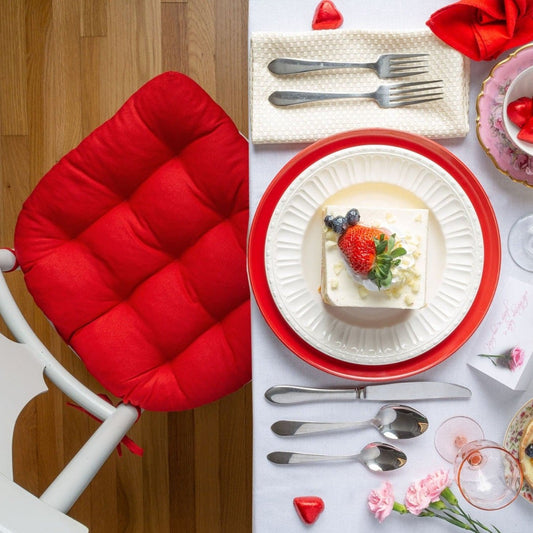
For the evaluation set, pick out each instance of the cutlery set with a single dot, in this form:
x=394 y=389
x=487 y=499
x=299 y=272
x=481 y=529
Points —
x=388 y=66
x=394 y=421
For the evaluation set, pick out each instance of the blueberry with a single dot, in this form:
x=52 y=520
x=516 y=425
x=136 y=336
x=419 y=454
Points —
x=529 y=450
x=339 y=224
x=353 y=217
x=328 y=221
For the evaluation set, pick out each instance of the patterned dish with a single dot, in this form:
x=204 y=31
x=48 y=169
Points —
x=511 y=441
x=507 y=157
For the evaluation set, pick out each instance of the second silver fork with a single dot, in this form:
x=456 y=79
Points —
x=397 y=95
x=387 y=66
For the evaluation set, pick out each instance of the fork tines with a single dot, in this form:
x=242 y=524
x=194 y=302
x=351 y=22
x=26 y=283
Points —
x=416 y=92
x=401 y=65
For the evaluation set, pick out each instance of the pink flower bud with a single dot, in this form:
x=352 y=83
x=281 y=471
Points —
x=516 y=358
x=381 y=501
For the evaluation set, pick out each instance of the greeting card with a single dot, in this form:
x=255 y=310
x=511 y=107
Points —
x=503 y=343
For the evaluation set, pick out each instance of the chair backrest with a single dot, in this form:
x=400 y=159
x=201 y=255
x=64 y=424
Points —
x=22 y=365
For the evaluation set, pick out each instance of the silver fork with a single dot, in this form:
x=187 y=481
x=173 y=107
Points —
x=387 y=66
x=398 y=95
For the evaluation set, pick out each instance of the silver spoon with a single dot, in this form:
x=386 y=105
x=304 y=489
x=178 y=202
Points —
x=392 y=421
x=376 y=456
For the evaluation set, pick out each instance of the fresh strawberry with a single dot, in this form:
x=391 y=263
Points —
x=526 y=131
x=308 y=508
x=358 y=247
x=520 y=110
x=327 y=16
x=368 y=250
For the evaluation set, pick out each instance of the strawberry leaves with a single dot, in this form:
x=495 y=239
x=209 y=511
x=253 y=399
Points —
x=387 y=257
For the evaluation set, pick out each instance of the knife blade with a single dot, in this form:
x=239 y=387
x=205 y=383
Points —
x=401 y=391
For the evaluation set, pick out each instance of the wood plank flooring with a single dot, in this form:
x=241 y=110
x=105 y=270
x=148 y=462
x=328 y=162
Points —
x=65 y=67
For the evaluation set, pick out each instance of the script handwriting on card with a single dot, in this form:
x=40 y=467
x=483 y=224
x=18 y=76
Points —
x=507 y=320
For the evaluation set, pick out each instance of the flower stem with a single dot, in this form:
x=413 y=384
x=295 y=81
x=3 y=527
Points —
x=473 y=521
x=491 y=357
x=452 y=520
x=399 y=508
x=457 y=510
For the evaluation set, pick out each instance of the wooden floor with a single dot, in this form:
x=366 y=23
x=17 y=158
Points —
x=65 y=67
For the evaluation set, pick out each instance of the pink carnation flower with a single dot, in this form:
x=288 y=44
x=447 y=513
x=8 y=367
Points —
x=417 y=497
x=381 y=501
x=434 y=492
x=435 y=483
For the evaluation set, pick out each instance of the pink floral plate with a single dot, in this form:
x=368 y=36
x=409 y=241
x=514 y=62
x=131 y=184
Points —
x=491 y=134
x=511 y=441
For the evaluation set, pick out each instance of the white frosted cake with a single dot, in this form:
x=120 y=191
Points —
x=342 y=287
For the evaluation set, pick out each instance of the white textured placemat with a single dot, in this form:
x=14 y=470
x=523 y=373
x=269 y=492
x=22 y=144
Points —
x=307 y=123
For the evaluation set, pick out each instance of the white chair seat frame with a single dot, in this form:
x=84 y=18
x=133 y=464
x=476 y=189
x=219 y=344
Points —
x=23 y=364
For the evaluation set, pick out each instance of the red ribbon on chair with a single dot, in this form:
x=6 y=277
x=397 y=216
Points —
x=127 y=441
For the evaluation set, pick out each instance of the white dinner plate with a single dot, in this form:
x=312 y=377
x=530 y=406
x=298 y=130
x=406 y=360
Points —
x=375 y=176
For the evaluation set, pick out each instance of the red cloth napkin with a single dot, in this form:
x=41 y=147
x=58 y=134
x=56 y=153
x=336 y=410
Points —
x=483 y=29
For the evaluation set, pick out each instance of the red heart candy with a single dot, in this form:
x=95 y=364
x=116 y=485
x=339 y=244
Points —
x=327 y=16
x=308 y=508
x=526 y=131
x=520 y=110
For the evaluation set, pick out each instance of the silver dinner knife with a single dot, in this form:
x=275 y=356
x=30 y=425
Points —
x=402 y=391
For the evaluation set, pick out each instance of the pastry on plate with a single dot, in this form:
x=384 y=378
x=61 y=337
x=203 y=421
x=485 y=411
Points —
x=374 y=257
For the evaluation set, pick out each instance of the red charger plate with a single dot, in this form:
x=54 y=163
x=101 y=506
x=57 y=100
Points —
x=491 y=266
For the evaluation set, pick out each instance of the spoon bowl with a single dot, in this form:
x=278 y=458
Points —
x=394 y=421
x=400 y=422
x=376 y=456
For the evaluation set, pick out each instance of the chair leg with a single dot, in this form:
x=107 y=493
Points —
x=74 y=478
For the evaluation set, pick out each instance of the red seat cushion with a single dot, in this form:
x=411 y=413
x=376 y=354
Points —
x=134 y=245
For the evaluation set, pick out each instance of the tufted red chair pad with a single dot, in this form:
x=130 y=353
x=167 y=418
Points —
x=133 y=245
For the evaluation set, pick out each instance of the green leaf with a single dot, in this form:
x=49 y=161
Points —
x=397 y=252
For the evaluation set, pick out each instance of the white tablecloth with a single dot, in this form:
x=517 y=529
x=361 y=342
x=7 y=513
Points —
x=344 y=486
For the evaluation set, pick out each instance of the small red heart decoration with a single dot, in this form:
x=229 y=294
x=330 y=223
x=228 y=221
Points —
x=308 y=508
x=327 y=16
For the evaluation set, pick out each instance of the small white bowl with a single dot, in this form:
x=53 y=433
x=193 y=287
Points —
x=522 y=85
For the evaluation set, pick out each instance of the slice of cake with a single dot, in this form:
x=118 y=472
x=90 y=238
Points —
x=374 y=257
x=525 y=453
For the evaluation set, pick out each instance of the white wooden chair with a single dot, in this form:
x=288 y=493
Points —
x=22 y=365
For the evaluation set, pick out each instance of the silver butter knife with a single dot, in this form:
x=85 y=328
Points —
x=406 y=390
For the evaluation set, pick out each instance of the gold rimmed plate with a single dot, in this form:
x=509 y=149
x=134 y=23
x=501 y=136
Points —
x=505 y=155
x=512 y=438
